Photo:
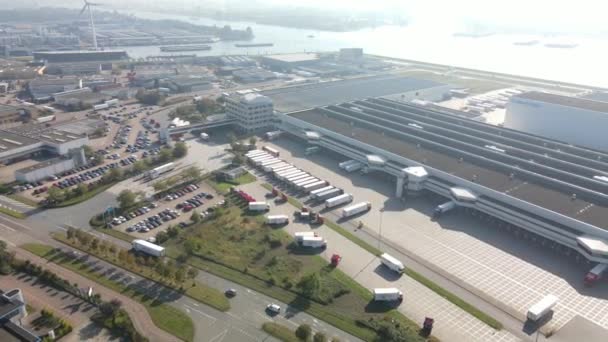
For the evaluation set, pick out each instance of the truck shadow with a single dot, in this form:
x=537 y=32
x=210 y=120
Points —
x=387 y=274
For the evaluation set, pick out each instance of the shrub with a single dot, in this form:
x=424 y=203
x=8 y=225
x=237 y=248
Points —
x=304 y=332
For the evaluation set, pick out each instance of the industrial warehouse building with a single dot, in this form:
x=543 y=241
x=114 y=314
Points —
x=550 y=189
x=574 y=120
x=287 y=62
x=79 y=56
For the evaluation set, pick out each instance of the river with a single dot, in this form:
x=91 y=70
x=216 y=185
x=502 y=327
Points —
x=584 y=64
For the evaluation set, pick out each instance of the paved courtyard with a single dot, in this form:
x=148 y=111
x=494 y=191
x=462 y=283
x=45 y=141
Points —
x=511 y=272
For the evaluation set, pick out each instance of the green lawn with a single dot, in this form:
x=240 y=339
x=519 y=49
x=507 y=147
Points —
x=23 y=200
x=86 y=196
x=12 y=213
x=166 y=317
x=224 y=187
x=117 y=234
x=280 y=331
x=240 y=247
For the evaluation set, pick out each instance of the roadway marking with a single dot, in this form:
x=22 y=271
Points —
x=7 y=227
x=16 y=223
x=220 y=337
x=264 y=317
x=201 y=313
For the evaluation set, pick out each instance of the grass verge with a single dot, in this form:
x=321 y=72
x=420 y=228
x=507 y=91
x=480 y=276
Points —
x=224 y=187
x=13 y=213
x=117 y=234
x=200 y=292
x=164 y=316
x=280 y=331
x=412 y=274
x=23 y=200
x=86 y=196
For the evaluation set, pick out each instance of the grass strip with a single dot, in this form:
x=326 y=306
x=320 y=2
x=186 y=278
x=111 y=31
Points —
x=482 y=316
x=224 y=187
x=200 y=292
x=23 y=200
x=86 y=196
x=117 y=234
x=164 y=316
x=11 y=212
x=280 y=331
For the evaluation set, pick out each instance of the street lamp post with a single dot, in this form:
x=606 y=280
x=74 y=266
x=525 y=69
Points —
x=380 y=227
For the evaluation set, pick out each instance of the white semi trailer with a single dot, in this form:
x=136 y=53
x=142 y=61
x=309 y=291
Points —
x=148 y=248
x=277 y=219
x=392 y=263
x=388 y=294
x=540 y=309
x=356 y=209
x=338 y=200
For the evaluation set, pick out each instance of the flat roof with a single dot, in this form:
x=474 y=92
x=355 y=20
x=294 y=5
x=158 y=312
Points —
x=8 y=305
x=40 y=165
x=293 y=57
x=576 y=102
x=417 y=147
x=325 y=93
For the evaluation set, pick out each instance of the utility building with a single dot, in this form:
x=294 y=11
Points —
x=251 y=111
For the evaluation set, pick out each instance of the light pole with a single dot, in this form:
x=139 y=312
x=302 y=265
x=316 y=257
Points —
x=380 y=227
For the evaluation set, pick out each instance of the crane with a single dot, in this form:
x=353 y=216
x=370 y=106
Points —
x=87 y=5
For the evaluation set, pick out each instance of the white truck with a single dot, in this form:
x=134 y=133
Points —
x=271 y=150
x=443 y=208
x=356 y=209
x=298 y=182
x=273 y=135
x=259 y=206
x=322 y=196
x=336 y=201
x=392 y=263
x=538 y=310
x=148 y=248
x=301 y=235
x=313 y=242
x=100 y=107
x=157 y=171
x=277 y=219
x=204 y=136
x=301 y=185
x=353 y=167
x=390 y=294
x=320 y=190
x=313 y=186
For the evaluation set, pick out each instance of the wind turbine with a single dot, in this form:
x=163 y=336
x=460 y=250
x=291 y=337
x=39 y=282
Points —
x=87 y=5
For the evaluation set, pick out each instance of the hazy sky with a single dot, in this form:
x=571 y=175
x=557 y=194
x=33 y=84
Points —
x=559 y=15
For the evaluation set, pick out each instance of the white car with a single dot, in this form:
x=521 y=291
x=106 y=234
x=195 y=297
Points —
x=273 y=308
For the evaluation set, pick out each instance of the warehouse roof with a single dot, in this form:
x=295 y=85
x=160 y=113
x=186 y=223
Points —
x=325 y=93
x=568 y=101
x=457 y=150
x=293 y=57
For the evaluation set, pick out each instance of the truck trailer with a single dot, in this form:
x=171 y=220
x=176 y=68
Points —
x=390 y=294
x=320 y=190
x=254 y=153
x=392 y=263
x=313 y=242
x=281 y=167
x=301 y=185
x=293 y=179
x=356 y=209
x=322 y=196
x=338 y=200
x=258 y=206
x=344 y=164
x=314 y=186
x=148 y=248
x=443 y=208
x=270 y=163
x=271 y=150
x=157 y=171
x=353 y=167
x=540 y=309
x=277 y=219
x=286 y=173
x=260 y=162
x=595 y=274
x=297 y=183
x=301 y=235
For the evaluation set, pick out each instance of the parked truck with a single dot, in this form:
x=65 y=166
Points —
x=353 y=167
x=320 y=190
x=390 y=294
x=313 y=186
x=344 y=164
x=301 y=181
x=204 y=136
x=356 y=209
x=301 y=235
x=595 y=274
x=313 y=242
x=148 y=248
x=287 y=173
x=301 y=185
x=157 y=171
x=392 y=263
x=273 y=135
x=311 y=150
x=338 y=200
x=254 y=153
x=295 y=179
x=270 y=163
x=271 y=150
x=266 y=161
x=277 y=219
x=280 y=167
x=443 y=208
x=322 y=196
x=540 y=309
x=259 y=206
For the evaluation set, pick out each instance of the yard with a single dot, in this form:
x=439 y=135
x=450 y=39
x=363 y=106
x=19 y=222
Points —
x=223 y=186
x=239 y=246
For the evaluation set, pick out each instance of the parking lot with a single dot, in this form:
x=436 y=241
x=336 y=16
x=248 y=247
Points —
x=511 y=272
x=173 y=209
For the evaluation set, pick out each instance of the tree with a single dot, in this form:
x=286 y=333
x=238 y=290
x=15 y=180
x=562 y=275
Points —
x=231 y=138
x=109 y=309
x=71 y=233
x=97 y=159
x=164 y=155
x=81 y=189
x=122 y=255
x=94 y=244
x=115 y=174
x=196 y=217
x=192 y=272
x=319 y=337
x=139 y=166
x=6 y=259
x=191 y=246
x=180 y=275
x=126 y=199
x=192 y=173
x=180 y=150
x=238 y=159
x=55 y=195
x=253 y=141
x=303 y=332
x=309 y=284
